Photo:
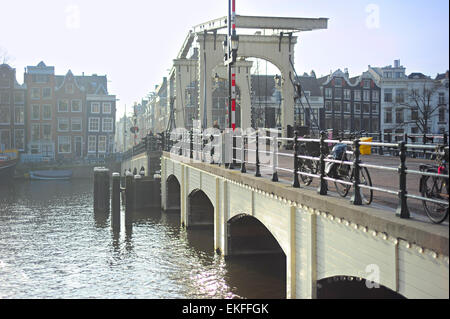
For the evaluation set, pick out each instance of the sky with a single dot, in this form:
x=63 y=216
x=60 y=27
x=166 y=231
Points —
x=134 y=42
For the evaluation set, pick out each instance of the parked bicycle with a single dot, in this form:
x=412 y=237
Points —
x=339 y=171
x=436 y=188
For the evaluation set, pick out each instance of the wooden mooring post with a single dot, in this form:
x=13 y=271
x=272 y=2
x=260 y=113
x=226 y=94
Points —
x=101 y=189
x=115 y=201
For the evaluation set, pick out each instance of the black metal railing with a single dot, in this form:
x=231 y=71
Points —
x=217 y=148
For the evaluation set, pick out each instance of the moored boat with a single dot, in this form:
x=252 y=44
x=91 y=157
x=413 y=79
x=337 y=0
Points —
x=51 y=175
x=8 y=163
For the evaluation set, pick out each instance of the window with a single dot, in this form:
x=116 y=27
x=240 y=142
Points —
x=414 y=114
x=35 y=128
x=388 y=115
x=387 y=95
x=92 y=144
x=399 y=116
x=337 y=106
x=4 y=82
x=95 y=108
x=357 y=95
x=337 y=93
x=69 y=88
x=357 y=107
x=94 y=124
x=63 y=106
x=442 y=115
x=46 y=112
x=4 y=97
x=5 y=139
x=75 y=123
x=35 y=93
x=5 y=116
x=366 y=95
x=328 y=106
x=346 y=107
x=366 y=108
x=387 y=75
x=40 y=78
x=374 y=107
x=441 y=98
x=366 y=84
x=19 y=115
x=106 y=108
x=46 y=93
x=19 y=97
x=107 y=124
x=375 y=95
x=46 y=132
x=35 y=111
x=64 y=145
x=63 y=124
x=102 y=144
x=398 y=75
x=338 y=82
x=400 y=95
x=76 y=105
x=19 y=139
x=347 y=94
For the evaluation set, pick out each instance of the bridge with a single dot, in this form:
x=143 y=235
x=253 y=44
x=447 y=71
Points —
x=258 y=206
x=321 y=237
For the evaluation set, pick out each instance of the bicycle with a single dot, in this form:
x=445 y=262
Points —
x=436 y=187
x=346 y=172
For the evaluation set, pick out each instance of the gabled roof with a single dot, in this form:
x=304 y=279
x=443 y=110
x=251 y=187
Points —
x=61 y=80
x=417 y=75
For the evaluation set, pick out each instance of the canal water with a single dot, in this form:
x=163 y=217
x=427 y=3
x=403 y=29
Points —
x=52 y=245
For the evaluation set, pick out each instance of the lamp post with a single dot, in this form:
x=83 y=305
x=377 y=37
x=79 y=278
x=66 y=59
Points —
x=231 y=45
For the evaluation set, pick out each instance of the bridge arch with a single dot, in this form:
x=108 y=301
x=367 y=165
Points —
x=173 y=198
x=248 y=235
x=353 y=287
x=200 y=209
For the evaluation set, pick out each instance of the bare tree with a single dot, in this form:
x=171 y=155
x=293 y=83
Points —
x=4 y=57
x=420 y=102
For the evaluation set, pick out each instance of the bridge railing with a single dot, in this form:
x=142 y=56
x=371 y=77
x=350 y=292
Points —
x=247 y=149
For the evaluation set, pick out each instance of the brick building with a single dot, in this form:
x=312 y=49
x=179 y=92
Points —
x=12 y=110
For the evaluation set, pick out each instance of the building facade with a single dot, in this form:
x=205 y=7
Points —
x=41 y=110
x=12 y=110
x=408 y=99
x=351 y=104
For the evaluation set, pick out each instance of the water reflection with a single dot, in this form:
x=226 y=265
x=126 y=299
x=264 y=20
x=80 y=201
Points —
x=53 y=245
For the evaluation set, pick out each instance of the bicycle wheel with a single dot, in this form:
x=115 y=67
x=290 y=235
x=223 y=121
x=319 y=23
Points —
x=307 y=166
x=435 y=188
x=366 y=194
x=341 y=188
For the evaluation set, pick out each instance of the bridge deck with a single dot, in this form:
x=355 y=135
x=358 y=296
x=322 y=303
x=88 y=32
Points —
x=424 y=234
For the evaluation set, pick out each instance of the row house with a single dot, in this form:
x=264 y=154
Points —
x=12 y=110
x=69 y=116
x=100 y=118
x=399 y=92
x=351 y=104
x=41 y=108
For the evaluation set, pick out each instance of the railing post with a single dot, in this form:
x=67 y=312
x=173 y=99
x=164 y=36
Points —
x=296 y=183
x=380 y=139
x=275 y=158
x=322 y=190
x=191 y=144
x=424 y=142
x=258 y=172
x=356 y=197
x=243 y=139
x=402 y=208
